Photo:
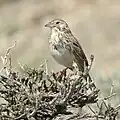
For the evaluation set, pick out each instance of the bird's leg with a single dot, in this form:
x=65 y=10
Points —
x=59 y=75
x=62 y=72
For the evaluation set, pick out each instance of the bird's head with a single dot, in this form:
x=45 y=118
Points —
x=58 y=24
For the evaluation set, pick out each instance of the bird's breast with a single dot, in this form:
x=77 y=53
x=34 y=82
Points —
x=60 y=52
x=57 y=47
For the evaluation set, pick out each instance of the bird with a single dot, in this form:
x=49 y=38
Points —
x=64 y=47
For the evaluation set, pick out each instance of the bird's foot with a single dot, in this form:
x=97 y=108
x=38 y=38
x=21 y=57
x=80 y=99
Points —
x=62 y=72
x=59 y=75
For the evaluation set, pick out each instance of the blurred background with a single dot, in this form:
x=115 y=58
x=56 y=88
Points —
x=95 y=23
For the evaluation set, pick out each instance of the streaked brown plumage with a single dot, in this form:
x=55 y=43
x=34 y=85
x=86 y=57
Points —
x=64 y=47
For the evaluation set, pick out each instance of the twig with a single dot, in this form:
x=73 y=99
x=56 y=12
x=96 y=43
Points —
x=21 y=66
x=91 y=109
x=108 y=97
x=6 y=60
x=91 y=62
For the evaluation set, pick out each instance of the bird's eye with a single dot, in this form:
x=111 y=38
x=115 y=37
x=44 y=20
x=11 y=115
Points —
x=57 y=22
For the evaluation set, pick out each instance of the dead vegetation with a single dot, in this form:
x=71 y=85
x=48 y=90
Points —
x=40 y=95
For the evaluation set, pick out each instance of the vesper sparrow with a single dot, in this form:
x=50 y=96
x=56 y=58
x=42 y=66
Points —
x=64 y=47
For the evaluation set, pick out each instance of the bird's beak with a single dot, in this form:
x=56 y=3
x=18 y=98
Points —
x=48 y=25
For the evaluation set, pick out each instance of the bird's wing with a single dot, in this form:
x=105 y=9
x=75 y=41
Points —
x=78 y=52
x=79 y=55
